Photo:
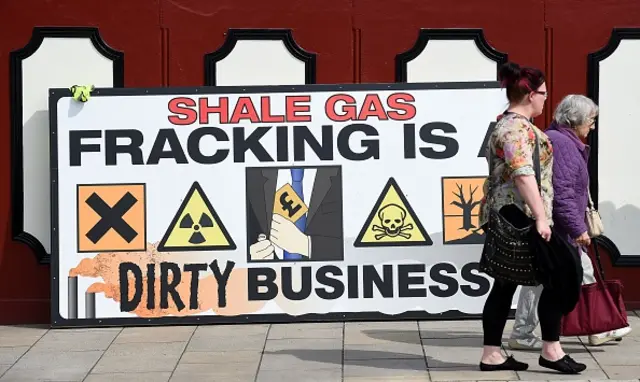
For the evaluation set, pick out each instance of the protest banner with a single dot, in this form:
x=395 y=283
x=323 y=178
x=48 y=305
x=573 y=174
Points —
x=269 y=204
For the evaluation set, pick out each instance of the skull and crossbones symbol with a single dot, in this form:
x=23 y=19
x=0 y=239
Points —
x=392 y=218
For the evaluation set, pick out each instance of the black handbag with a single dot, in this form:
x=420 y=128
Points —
x=508 y=253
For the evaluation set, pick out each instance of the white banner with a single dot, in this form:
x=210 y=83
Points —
x=269 y=203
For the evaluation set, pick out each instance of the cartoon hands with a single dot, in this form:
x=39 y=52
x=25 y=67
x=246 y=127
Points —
x=263 y=249
x=287 y=236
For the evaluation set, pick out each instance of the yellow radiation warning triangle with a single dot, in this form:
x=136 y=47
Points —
x=392 y=222
x=196 y=226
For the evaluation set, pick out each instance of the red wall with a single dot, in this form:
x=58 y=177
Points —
x=164 y=43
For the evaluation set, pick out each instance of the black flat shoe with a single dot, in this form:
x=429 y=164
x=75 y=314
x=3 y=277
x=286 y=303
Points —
x=509 y=364
x=566 y=365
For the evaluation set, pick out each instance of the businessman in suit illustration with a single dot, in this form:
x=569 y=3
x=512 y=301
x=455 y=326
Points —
x=294 y=213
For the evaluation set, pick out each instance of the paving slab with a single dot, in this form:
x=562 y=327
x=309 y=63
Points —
x=202 y=372
x=239 y=330
x=363 y=336
x=129 y=377
x=381 y=333
x=333 y=374
x=14 y=336
x=463 y=352
x=624 y=353
x=561 y=380
x=634 y=321
x=320 y=330
x=77 y=340
x=389 y=350
x=155 y=334
x=421 y=378
x=298 y=344
x=52 y=366
x=247 y=357
x=386 y=368
x=409 y=351
x=205 y=341
x=470 y=374
x=9 y=356
x=451 y=333
x=302 y=353
x=228 y=338
x=140 y=357
x=623 y=372
x=469 y=326
x=307 y=359
x=386 y=325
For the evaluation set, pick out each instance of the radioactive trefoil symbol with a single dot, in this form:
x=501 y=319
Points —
x=196 y=226
x=197 y=237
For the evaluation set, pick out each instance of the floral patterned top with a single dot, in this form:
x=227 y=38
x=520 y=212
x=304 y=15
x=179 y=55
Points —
x=512 y=143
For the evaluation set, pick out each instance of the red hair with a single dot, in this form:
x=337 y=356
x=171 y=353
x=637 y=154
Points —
x=519 y=81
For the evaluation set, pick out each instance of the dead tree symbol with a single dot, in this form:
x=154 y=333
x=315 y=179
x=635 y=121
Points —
x=466 y=206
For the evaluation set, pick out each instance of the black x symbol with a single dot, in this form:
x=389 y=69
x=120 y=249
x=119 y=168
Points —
x=111 y=217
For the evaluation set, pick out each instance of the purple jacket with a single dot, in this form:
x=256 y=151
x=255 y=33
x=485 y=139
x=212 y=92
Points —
x=570 y=180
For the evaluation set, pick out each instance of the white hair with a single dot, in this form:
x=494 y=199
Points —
x=574 y=110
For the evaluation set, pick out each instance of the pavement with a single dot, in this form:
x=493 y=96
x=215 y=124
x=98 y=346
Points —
x=408 y=351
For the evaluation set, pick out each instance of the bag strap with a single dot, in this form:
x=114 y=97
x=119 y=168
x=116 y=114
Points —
x=536 y=162
x=589 y=201
x=491 y=168
x=598 y=264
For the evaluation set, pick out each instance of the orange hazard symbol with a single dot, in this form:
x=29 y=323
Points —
x=461 y=197
x=111 y=217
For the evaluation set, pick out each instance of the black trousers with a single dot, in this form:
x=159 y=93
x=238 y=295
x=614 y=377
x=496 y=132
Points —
x=498 y=303
x=497 y=307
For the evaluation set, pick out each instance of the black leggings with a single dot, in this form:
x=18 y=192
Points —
x=497 y=307
x=498 y=304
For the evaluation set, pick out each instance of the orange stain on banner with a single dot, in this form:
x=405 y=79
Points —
x=106 y=266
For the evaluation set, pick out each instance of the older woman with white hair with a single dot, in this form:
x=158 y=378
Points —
x=574 y=119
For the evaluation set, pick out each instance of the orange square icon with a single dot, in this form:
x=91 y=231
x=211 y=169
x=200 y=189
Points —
x=461 y=197
x=111 y=217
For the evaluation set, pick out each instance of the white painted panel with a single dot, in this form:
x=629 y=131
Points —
x=260 y=62
x=619 y=135
x=59 y=62
x=451 y=61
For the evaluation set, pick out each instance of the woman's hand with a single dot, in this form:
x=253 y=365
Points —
x=583 y=239
x=543 y=229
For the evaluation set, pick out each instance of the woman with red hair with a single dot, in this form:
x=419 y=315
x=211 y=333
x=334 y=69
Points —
x=516 y=195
